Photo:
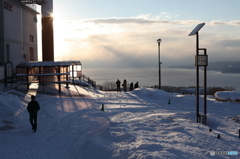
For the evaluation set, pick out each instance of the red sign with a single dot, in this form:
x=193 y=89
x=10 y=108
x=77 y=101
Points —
x=8 y=6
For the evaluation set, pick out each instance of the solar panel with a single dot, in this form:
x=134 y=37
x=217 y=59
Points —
x=196 y=29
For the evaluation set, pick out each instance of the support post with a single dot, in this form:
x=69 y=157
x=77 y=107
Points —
x=72 y=74
x=205 y=90
x=59 y=84
x=197 y=81
x=27 y=78
x=5 y=73
x=67 y=78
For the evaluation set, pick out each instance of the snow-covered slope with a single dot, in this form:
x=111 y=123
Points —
x=144 y=123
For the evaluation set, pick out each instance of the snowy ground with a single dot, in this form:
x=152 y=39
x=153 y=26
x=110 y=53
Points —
x=144 y=123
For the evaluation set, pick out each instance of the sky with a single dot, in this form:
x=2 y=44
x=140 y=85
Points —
x=123 y=34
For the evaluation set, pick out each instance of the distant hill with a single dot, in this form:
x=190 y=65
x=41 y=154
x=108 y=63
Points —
x=221 y=66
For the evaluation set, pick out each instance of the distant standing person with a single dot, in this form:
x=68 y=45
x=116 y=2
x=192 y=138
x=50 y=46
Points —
x=136 y=85
x=33 y=108
x=131 y=86
x=124 y=85
x=118 y=85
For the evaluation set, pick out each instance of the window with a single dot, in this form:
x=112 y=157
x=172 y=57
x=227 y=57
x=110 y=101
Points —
x=31 y=38
x=31 y=54
x=7 y=52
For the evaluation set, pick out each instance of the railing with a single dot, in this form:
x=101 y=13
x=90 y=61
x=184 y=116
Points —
x=6 y=73
x=87 y=79
x=31 y=1
x=32 y=6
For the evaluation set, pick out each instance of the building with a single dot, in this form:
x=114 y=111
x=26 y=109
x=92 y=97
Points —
x=18 y=32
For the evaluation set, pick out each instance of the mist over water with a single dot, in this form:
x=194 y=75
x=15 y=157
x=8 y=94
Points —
x=169 y=77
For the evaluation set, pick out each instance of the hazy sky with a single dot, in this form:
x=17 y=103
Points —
x=113 y=33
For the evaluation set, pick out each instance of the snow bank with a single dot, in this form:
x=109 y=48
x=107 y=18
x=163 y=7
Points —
x=10 y=110
x=9 y=104
x=150 y=93
x=81 y=82
x=227 y=96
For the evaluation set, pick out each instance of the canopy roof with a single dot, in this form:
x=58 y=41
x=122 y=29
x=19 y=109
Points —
x=48 y=63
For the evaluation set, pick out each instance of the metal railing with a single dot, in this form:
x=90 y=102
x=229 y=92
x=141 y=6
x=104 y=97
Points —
x=86 y=79
x=31 y=1
x=6 y=73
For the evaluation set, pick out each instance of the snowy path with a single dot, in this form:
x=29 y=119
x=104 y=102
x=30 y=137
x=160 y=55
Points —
x=149 y=126
x=138 y=124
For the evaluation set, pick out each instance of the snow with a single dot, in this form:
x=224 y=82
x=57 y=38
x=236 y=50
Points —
x=144 y=123
x=228 y=96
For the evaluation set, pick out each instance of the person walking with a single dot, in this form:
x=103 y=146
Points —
x=33 y=108
x=125 y=85
x=118 y=85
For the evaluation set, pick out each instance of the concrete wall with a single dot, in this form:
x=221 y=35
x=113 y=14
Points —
x=30 y=28
x=2 y=57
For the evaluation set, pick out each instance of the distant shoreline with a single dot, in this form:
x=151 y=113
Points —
x=223 y=72
x=225 y=67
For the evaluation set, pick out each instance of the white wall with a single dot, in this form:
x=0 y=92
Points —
x=19 y=24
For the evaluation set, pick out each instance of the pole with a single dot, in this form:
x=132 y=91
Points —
x=205 y=90
x=197 y=80
x=72 y=74
x=159 y=67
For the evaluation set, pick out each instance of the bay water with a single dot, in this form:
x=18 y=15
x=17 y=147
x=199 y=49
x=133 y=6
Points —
x=169 y=77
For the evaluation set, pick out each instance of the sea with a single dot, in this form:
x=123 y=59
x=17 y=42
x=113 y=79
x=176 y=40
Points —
x=169 y=77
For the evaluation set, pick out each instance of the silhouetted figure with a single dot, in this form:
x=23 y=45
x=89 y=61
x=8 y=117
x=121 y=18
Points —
x=136 y=85
x=131 y=86
x=124 y=85
x=118 y=85
x=33 y=108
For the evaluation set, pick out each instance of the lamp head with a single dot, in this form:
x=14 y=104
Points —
x=159 y=40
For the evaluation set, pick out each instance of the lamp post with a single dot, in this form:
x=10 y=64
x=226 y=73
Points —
x=159 y=64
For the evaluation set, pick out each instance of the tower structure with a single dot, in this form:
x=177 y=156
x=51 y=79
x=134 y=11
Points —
x=47 y=31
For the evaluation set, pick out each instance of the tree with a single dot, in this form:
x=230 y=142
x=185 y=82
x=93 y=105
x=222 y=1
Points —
x=228 y=88
x=109 y=86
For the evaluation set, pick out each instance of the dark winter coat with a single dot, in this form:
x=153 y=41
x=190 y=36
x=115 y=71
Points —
x=136 y=85
x=131 y=86
x=124 y=83
x=118 y=83
x=33 y=107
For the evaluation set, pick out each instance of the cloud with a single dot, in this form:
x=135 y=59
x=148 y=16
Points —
x=236 y=23
x=218 y=22
x=134 y=20
x=145 y=19
x=229 y=43
x=126 y=43
x=233 y=48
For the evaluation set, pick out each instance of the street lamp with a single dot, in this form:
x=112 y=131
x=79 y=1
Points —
x=159 y=63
